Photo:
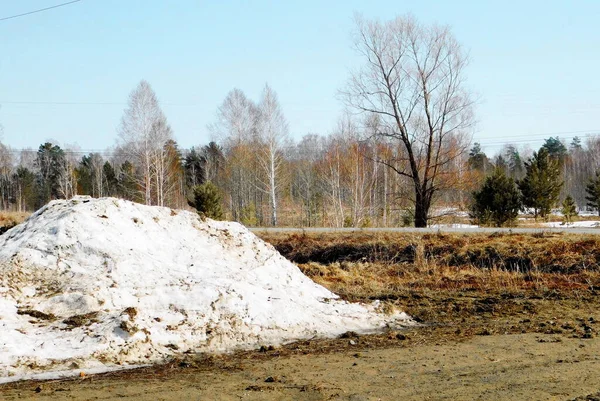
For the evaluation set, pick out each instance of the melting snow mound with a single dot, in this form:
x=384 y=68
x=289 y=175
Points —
x=97 y=284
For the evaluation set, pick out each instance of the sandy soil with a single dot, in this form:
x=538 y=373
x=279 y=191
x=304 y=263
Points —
x=529 y=366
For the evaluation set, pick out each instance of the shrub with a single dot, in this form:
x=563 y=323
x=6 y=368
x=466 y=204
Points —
x=541 y=185
x=248 y=216
x=207 y=200
x=569 y=209
x=497 y=202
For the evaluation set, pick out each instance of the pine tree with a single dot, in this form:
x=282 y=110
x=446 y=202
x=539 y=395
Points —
x=569 y=209
x=127 y=186
x=575 y=144
x=593 y=192
x=477 y=158
x=541 y=186
x=48 y=161
x=497 y=202
x=556 y=149
x=514 y=162
x=110 y=178
x=207 y=200
x=195 y=168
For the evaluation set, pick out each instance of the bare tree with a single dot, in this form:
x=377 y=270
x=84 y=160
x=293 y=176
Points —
x=6 y=171
x=235 y=128
x=161 y=161
x=143 y=133
x=272 y=138
x=332 y=170
x=66 y=179
x=413 y=78
x=306 y=181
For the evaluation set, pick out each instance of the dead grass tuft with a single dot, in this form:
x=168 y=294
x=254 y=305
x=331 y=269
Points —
x=10 y=219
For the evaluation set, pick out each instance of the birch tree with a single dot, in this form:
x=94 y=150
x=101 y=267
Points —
x=307 y=153
x=413 y=78
x=66 y=179
x=143 y=133
x=236 y=127
x=273 y=136
x=6 y=170
x=163 y=156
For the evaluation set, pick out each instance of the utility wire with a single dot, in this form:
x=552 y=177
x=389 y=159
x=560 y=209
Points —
x=43 y=103
x=39 y=11
x=112 y=152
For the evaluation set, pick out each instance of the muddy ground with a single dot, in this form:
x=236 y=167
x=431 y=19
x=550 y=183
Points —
x=492 y=347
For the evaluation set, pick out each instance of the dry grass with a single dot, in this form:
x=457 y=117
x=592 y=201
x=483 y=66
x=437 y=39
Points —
x=10 y=219
x=460 y=285
x=361 y=266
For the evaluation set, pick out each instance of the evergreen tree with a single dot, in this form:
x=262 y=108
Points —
x=593 y=192
x=569 y=209
x=514 y=162
x=194 y=166
x=170 y=172
x=477 y=158
x=556 y=149
x=497 y=202
x=541 y=186
x=214 y=161
x=48 y=161
x=207 y=201
x=110 y=178
x=84 y=176
x=575 y=143
x=128 y=187
x=501 y=163
x=25 y=189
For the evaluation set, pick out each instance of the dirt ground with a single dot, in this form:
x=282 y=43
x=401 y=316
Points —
x=502 y=367
x=512 y=349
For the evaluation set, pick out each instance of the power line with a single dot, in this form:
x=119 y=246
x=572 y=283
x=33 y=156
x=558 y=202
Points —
x=39 y=11
x=502 y=140
x=45 y=103
x=528 y=135
x=64 y=103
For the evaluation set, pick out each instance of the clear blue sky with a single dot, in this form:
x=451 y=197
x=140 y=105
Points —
x=534 y=64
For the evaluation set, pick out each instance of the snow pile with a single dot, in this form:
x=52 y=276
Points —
x=93 y=284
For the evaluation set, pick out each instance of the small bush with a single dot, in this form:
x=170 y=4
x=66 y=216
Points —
x=248 y=216
x=569 y=209
x=207 y=201
x=408 y=218
x=498 y=202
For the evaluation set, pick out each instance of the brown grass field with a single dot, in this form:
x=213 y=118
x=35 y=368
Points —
x=503 y=316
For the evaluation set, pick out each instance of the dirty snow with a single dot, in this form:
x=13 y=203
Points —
x=97 y=284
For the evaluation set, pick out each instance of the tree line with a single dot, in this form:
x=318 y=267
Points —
x=537 y=184
x=401 y=148
x=262 y=177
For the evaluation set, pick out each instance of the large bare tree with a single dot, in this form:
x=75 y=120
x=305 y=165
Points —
x=413 y=78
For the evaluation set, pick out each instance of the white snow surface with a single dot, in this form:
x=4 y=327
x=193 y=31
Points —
x=575 y=224
x=455 y=225
x=152 y=283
